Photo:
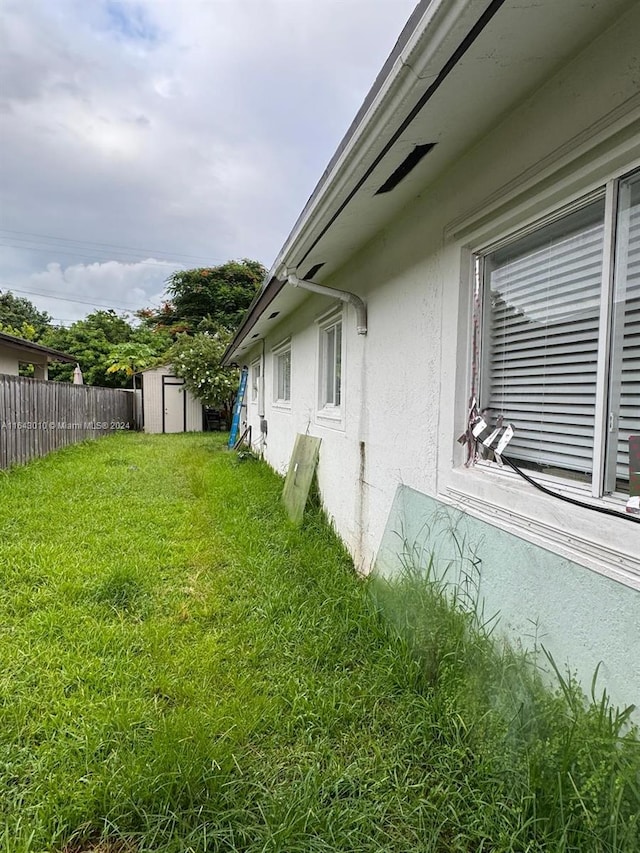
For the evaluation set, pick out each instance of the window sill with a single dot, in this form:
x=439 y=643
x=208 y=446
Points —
x=330 y=416
x=500 y=497
x=282 y=405
x=577 y=489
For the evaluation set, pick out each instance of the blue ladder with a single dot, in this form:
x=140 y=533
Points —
x=237 y=408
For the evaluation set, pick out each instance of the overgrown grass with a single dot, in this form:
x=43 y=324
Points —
x=568 y=764
x=184 y=671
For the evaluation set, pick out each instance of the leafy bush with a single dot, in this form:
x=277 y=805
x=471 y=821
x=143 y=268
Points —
x=197 y=360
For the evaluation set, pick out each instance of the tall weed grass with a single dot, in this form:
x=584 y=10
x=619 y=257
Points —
x=568 y=763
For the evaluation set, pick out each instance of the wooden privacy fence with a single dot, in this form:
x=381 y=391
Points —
x=37 y=417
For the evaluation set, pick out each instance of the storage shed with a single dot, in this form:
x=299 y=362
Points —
x=167 y=406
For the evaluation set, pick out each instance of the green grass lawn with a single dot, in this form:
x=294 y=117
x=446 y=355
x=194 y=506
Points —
x=181 y=670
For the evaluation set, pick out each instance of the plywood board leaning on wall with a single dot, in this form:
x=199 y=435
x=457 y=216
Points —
x=300 y=476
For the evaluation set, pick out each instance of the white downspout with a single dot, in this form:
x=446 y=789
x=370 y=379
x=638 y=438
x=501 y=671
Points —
x=344 y=295
x=261 y=406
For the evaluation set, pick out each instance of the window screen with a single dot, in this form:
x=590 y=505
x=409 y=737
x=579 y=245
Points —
x=540 y=347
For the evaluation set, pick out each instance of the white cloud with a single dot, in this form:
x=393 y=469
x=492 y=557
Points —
x=197 y=128
x=123 y=287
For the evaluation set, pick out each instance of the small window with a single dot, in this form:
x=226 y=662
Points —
x=255 y=382
x=282 y=375
x=330 y=374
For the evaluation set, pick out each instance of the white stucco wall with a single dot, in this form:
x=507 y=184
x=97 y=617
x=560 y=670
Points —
x=11 y=357
x=529 y=593
x=406 y=384
x=152 y=402
x=8 y=362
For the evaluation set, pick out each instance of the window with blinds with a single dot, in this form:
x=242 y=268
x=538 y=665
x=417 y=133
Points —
x=255 y=381
x=542 y=342
x=330 y=373
x=283 y=376
x=332 y=365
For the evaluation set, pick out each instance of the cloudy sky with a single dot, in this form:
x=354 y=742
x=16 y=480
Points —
x=141 y=136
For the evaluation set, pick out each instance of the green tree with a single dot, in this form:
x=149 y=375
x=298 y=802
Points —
x=105 y=345
x=197 y=359
x=20 y=317
x=26 y=331
x=207 y=298
x=131 y=357
x=90 y=341
x=144 y=348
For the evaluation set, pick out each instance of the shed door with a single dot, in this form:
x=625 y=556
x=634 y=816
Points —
x=174 y=403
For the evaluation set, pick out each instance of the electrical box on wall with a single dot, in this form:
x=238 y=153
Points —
x=263 y=426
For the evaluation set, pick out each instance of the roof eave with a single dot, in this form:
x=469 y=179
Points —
x=421 y=38
x=30 y=346
x=265 y=296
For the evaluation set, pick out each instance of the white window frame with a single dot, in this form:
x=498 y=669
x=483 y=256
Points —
x=601 y=480
x=331 y=360
x=256 y=370
x=281 y=355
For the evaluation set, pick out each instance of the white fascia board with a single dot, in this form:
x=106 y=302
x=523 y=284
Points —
x=436 y=35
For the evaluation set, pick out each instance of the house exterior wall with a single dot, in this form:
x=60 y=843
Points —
x=557 y=591
x=152 y=403
x=406 y=384
x=11 y=357
x=8 y=361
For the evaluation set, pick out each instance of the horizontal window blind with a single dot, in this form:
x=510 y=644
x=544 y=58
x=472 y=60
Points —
x=544 y=293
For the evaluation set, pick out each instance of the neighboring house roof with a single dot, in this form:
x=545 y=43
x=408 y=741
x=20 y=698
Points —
x=457 y=69
x=30 y=348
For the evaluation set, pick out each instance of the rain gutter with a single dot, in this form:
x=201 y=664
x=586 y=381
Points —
x=392 y=74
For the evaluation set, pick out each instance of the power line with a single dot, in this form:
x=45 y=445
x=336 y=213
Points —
x=91 y=243
x=68 y=299
x=76 y=254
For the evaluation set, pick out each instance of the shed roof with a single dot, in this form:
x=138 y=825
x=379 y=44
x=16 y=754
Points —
x=166 y=365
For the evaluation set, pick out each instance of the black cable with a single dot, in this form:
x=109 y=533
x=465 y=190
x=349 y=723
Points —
x=569 y=500
x=91 y=244
x=98 y=304
x=99 y=256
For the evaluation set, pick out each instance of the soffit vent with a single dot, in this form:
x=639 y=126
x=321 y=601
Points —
x=408 y=164
x=311 y=272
